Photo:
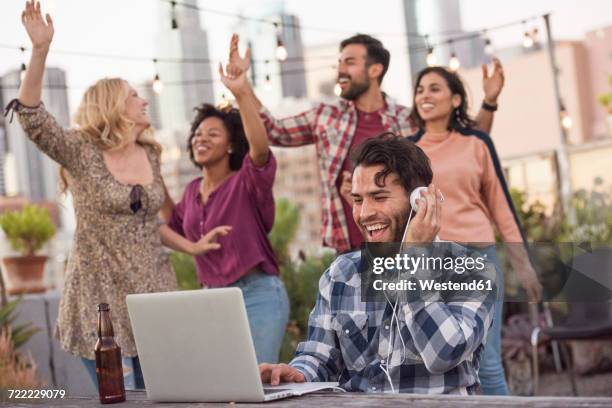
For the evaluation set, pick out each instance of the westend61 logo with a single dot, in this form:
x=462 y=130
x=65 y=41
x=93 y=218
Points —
x=411 y=264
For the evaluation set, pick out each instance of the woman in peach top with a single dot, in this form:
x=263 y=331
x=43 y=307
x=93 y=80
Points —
x=467 y=170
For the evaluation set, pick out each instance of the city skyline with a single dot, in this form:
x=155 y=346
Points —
x=136 y=29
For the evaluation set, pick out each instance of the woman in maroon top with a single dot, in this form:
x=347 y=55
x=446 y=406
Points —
x=234 y=199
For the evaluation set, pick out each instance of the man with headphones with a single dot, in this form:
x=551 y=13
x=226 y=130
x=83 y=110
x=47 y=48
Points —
x=413 y=342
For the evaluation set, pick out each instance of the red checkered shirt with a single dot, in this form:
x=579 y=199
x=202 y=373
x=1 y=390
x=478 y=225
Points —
x=331 y=128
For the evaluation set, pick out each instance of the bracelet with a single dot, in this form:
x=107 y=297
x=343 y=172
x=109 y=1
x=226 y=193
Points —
x=489 y=107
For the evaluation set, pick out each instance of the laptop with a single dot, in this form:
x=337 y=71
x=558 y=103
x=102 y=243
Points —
x=196 y=346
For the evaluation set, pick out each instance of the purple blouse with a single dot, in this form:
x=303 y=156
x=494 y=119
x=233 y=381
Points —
x=245 y=202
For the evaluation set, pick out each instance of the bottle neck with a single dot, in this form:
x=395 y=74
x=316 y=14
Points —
x=105 y=326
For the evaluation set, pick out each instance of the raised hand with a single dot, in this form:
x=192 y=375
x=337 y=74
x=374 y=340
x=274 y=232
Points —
x=494 y=83
x=209 y=242
x=346 y=186
x=243 y=63
x=39 y=30
x=234 y=78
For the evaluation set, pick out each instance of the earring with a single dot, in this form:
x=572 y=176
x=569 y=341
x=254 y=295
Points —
x=230 y=151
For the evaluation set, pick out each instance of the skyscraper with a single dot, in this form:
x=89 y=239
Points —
x=441 y=19
x=186 y=84
x=274 y=79
x=153 y=99
x=37 y=175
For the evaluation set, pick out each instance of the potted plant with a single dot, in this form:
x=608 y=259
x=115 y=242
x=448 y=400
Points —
x=27 y=231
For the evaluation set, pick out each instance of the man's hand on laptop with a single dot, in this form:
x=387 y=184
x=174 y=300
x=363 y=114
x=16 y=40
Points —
x=274 y=374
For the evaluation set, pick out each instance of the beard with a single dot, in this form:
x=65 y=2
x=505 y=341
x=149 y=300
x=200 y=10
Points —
x=356 y=90
x=400 y=221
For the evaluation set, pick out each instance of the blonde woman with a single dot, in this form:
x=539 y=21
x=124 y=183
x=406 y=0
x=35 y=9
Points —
x=111 y=165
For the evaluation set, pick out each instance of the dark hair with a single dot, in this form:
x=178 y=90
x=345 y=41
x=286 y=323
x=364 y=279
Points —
x=459 y=118
x=232 y=122
x=376 y=52
x=397 y=155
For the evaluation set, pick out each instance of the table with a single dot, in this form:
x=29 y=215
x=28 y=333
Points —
x=331 y=399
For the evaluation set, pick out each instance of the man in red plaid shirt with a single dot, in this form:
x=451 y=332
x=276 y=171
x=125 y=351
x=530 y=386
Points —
x=363 y=111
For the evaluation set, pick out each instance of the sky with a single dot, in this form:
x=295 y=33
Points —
x=123 y=27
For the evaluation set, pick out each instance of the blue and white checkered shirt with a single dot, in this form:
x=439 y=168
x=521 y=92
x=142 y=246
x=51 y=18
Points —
x=348 y=340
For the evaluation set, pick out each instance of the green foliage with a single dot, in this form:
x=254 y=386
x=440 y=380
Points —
x=29 y=229
x=184 y=267
x=537 y=225
x=286 y=222
x=20 y=334
x=593 y=210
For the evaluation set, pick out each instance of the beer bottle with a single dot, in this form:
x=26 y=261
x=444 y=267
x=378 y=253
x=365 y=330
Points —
x=108 y=360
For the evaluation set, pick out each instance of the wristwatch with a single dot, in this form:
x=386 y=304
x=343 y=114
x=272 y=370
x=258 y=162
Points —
x=489 y=107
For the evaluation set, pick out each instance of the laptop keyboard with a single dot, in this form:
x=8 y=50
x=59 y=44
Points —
x=274 y=390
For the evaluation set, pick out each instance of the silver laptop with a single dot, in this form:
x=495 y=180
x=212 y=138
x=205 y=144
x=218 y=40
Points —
x=196 y=346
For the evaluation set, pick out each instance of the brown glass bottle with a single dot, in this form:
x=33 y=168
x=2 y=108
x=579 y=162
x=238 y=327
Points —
x=108 y=360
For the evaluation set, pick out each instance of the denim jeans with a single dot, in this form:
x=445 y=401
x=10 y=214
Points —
x=491 y=373
x=132 y=373
x=267 y=309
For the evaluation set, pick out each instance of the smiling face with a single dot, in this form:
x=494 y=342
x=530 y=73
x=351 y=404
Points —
x=136 y=109
x=380 y=212
x=353 y=75
x=433 y=98
x=210 y=143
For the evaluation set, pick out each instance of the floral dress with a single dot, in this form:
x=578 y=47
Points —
x=116 y=251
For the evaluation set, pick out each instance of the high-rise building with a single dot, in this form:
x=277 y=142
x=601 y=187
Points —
x=441 y=19
x=273 y=79
x=186 y=84
x=37 y=175
x=153 y=99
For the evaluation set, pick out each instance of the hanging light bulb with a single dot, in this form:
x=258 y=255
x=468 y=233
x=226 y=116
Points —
x=174 y=24
x=158 y=85
x=488 y=47
x=527 y=40
x=431 y=57
x=281 y=51
x=337 y=89
x=22 y=71
x=454 y=62
x=566 y=119
x=268 y=83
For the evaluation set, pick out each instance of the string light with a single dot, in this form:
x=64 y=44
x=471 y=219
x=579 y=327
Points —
x=527 y=39
x=268 y=83
x=566 y=119
x=174 y=24
x=431 y=57
x=281 y=51
x=158 y=85
x=488 y=47
x=22 y=70
x=454 y=62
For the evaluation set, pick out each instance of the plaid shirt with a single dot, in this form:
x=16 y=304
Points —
x=349 y=339
x=331 y=128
